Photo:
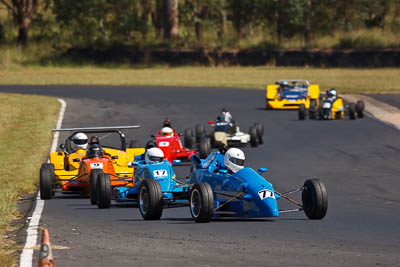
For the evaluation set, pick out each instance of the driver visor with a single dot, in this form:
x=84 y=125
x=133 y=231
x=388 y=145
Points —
x=80 y=141
x=156 y=159
x=239 y=162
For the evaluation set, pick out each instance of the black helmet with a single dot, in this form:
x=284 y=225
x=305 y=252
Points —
x=95 y=151
x=167 y=123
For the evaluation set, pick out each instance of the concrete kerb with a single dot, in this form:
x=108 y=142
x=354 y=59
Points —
x=382 y=111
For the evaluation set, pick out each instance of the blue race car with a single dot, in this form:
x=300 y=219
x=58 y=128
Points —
x=216 y=192
x=154 y=187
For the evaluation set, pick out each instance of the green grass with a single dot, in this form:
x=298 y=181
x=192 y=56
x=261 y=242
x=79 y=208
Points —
x=25 y=136
x=345 y=80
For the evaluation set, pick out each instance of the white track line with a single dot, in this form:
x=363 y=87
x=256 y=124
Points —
x=32 y=231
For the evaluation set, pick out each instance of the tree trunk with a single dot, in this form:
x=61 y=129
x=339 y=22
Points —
x=171 y=19
x=198 y=24
x=146 y=10
x=307 y=24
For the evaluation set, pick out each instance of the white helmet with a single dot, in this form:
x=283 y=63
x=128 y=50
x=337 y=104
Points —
x=332 y=93
x=234 y=159
x=80 y=141
x=154 y=155
x=166 y=131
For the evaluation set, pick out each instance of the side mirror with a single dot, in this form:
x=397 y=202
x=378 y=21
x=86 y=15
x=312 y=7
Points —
x=210 y=122
x=152 y=136
x=114 y=157
x=223 y=171
x=262 y=170
x=62 y=147
x=180 y=134
x=76 y=160
x=176 y=162
x=196 y=160
x=133 y=164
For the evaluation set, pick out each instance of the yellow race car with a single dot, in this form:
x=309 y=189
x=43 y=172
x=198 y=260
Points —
x=61 y=172
x=290 y=94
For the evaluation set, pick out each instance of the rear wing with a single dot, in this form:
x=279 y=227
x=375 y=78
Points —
x=95 y=129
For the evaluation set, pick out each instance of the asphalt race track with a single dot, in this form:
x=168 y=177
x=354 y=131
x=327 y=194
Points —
x=357 y=160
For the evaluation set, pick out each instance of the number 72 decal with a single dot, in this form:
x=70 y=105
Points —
x=265 y=193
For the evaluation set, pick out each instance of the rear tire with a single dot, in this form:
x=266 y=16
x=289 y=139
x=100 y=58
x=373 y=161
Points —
x=202 y=202
x=313 y=108
x=103 y=191
x=315 y=199
x=47 y=181
x=205 y=147
x=150 y=200
x=260 y=132
x=94 y=174
x=253 y=137
x=302 y=112
x=352 y=111
x=188 y=138
x=267 y=107
x=360 y=108
x=200 y=132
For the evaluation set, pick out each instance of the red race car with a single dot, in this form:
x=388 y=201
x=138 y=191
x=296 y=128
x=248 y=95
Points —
x=170 y=143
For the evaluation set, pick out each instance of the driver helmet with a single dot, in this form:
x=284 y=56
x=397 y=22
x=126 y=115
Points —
x=154 y=155
x=234 y=159
x=80 y=141
x=166 y=131
x=167 y=123
x=332 y=93
x=94 y=151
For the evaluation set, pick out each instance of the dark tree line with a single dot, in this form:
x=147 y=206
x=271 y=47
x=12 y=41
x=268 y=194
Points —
x=88 y=21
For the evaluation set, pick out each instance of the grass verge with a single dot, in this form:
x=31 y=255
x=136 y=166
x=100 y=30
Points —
x=25 y=136
x=345 y=80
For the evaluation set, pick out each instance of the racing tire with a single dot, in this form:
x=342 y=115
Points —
x=313 y=109
x=134 y=144
x=201 y=202
x=302 y=112
x=267 y=107
x=260 y=132
x=352 y=111
x=103 y=191
x=47 y=181
x=150 y=199
x=94 y=174
x=188 y=138
x=314 y=199
x=253 y=137
x=204 y=147
x=200 y=132
x=360 y=108
x=150 y=144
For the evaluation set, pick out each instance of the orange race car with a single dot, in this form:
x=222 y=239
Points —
x=76 y=171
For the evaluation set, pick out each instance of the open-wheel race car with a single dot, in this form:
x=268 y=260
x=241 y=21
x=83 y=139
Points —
x=332 y=107
x=77 y=167
x=216 y=191
x=223 y=133
x=291 y=94
x=168 y=140
x=155 y=186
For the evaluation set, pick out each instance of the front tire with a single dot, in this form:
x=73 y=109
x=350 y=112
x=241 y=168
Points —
x=103 y=191
x=260 y=133
x=360 y=108
x=315 y=199
x=202 y=202
x=205 y=147
x=188 y=138
x=253 y=137
x=93 y=183
x=47 y=181
x=150 y=200
x=200 y=132
x=352 y=111
x=302 y=112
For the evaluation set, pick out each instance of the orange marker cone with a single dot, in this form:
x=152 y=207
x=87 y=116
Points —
x=46 y=255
